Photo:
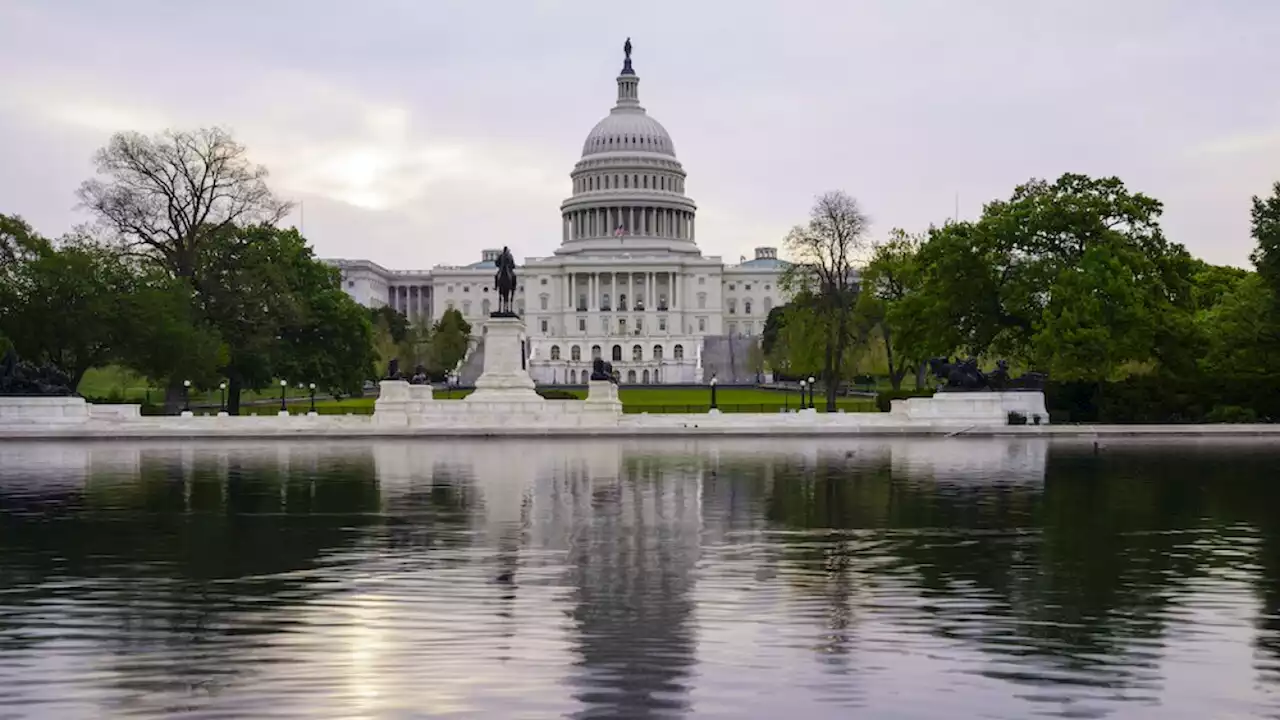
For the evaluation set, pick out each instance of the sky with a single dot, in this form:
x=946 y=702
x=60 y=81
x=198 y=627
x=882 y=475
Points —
x=419 y=132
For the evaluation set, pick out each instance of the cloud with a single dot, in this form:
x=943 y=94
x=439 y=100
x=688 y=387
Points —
x=1238 y=144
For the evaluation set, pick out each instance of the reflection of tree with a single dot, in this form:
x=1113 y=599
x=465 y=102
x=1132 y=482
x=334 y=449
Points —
x=431 y=514
x=185 y=565
x=1075 y=581
x=631 y=569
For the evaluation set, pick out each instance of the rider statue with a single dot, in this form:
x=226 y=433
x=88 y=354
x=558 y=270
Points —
x=505 y=282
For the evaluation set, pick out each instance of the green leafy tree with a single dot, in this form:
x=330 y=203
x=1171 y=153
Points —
x=1266 y=231
x=449 y=341
x=824 y=251
x=164 y=197
x=1074 y=276
x=396 y=324
x=1239 y=330
x=890 y=282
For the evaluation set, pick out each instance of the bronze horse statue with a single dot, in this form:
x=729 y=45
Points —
x=505 y=282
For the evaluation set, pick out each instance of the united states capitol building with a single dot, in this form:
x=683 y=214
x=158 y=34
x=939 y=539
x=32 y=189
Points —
x=628 y=282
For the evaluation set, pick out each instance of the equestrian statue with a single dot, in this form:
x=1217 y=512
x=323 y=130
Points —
x=505 y=282
x=965 y=375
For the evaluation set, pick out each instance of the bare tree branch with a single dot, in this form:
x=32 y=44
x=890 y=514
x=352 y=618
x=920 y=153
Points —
x=162 y=195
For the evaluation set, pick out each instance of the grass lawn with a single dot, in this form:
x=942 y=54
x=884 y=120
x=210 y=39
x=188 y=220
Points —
x=120 y=385
x=634 y=400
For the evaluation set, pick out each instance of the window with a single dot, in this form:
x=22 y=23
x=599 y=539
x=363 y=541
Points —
x=595 y=352
x=702 y=324
x=351 y=283
x=466 y=288
x=768 y=304
x=702 y=279
x=766 y=287
x=542 y=301
x=702 y=301
x=645 y=379
x=575 y=353
x=582 y=324
x=662 y=324
x=622 y=301
x=677 y=352
x=733 y=328
x=731 y=286
x=640 y=324
x=582 y=302
x=542 y=281
x=746 y=286
x=657 y=352
x=484 y=306
x=604 y=302
x=617 y=353
x=543 y=325
x=519 y=307
x=484 y=289
x=631 y=377
x=450 y=288
x=555 y=352
x=448 y=304
x=748 y=327
x=733 y=306
x=622 y=326
x=466 y=308
x=637 y=353
x=604 y=323
x=746 y=306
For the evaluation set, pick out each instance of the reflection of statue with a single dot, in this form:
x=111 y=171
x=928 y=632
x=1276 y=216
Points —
x=505 y=282
x=23 y=378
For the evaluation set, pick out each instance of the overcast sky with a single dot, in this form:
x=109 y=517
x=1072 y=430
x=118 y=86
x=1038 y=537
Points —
x=417 y=132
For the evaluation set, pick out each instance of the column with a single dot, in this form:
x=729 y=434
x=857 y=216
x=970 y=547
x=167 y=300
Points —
x=592 y=294
x=692 y=236
x=631 y=289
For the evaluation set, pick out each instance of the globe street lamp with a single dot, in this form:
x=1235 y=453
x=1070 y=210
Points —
x=186 y=397
x=312 y=387
x=222 y=398
x=803 y=403
x=811 y=383
x=713 y=393
x=284 y=409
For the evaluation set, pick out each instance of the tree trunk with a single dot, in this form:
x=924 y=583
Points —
x=233 y=395
x=895 y=374
x=920 y=375
x=173 y=396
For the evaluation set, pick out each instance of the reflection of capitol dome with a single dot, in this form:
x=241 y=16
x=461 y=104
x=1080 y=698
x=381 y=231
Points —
x=628 y=188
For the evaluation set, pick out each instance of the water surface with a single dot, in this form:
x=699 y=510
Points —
x=995 y=578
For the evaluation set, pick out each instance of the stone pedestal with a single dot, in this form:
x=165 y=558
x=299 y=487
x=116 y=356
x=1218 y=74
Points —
x=505 y=378
x=392 y=405
x=602 y=398
x=981 y=407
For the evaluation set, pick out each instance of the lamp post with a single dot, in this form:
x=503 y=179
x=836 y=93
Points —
x=803 y=403
x=186 y=397
x=714 y=408
x=312 y=387
x=222 y=398
x=811 y=383
x=284 y=386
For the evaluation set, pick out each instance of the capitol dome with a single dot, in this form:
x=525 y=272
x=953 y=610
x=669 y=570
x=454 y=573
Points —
x=628 y=129
x=628 y=187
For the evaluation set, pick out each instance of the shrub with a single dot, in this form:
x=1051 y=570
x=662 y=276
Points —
x=552 y=394
x=1231 y=414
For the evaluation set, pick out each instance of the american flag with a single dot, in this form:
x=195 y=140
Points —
x=620 y=231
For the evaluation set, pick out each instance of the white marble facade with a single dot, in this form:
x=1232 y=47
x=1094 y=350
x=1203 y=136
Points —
x=628 y=281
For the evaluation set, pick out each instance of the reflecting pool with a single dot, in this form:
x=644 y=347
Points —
x=885 y=578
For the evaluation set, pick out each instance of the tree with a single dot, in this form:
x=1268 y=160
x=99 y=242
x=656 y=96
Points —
x=889 y=282
x=824 y=252
x=281 y=313
x=1239 y=330
x=1073 y=276
x=163 y=196
x=449 y=341
x=66 y=306
x=396 y=324
x=1266 y=231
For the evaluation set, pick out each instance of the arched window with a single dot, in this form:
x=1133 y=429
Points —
x=645 y=377
x=637 y=353
x=746 y=306
x=657 y=352
x=626 y=181
x=678 y=352
x=484 y=306
x=617 y=353
x=631 y=377
x=595 y=352
x=555 y=352
x=575 y=353
x=646 y=182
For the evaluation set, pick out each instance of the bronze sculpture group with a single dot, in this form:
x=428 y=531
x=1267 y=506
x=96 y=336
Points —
x=505 y=282
x=966 y=375
x=25 y=379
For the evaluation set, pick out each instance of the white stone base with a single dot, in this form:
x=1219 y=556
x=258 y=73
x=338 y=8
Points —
x=981 y=407
x=59 y=410
x=504 y=379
